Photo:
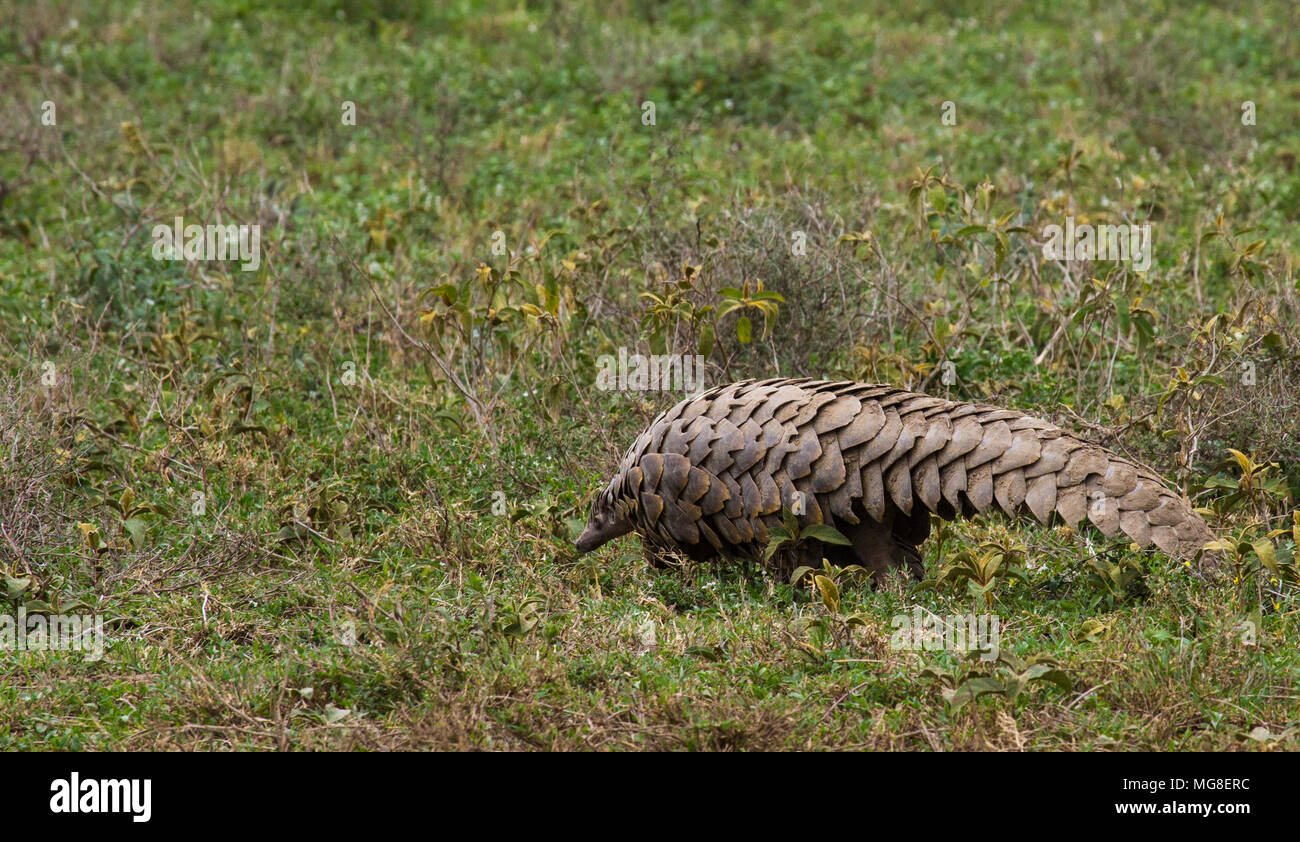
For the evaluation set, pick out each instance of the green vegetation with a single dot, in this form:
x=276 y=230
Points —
x=330 y=502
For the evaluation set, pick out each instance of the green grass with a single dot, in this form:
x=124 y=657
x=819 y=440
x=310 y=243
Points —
x=383 y=556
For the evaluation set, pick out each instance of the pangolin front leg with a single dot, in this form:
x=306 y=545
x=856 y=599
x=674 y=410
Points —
x=892 y=545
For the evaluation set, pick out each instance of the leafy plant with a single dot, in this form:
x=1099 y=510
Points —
x=827 y=579
x=482 y=331
x=326 y=512
x=1256 y=488
x=128 y=514
x=1008 y=676
x=676 y=312
x=517 y=618
x=1115 y=580
x=980 y=569
x=794 y=539
x=1260 y=563
x=826 y=582
x=765 y=303
x=1243 y=254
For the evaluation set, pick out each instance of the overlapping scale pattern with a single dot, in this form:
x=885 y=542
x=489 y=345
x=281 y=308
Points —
x=717 y=469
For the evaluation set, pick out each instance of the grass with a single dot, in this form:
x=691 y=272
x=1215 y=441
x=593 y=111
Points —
x=306 y=533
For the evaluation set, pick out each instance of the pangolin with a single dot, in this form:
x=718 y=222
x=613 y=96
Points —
x=712 y=475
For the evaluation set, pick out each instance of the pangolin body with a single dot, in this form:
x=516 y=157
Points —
x=712 y=474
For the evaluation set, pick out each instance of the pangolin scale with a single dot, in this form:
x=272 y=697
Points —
x=712 y=475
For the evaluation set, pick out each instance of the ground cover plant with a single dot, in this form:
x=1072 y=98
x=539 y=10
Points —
x=324 y=491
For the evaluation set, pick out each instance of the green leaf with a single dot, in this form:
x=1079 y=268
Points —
x=1052 y=675
x=15 y=587
x=772 y=547
x=1015 y=572
x=727 y=306
x=914 y=197
x=938 y=199
x=830 y=593
x=937 y=673
x=1092 y=629
x=826 y=534
x=744 y=330
x=973 y=688
x=137 y=529
x=90 y=535
x=334 y=714
x=799 y=572
x=1267 y=556
x=705 y=346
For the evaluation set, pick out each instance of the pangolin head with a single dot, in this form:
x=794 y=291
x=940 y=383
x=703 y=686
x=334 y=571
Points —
x=611 y=516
